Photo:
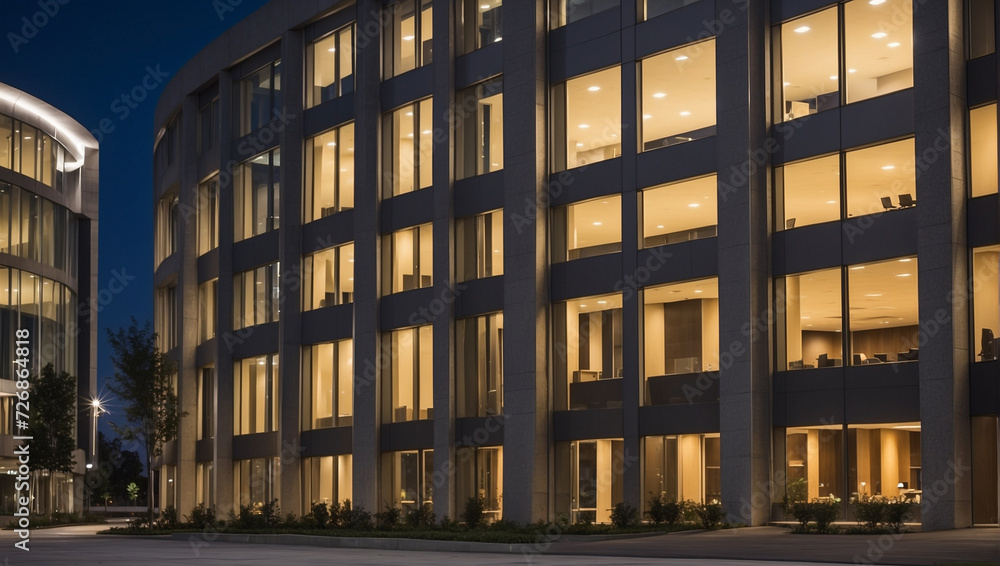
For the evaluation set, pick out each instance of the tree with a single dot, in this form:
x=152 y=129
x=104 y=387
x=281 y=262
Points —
x=51 y=418
x=117 y=468
x=143 y=381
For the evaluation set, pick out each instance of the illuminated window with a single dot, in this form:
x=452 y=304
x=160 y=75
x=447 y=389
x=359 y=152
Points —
x=479 y=246
x=329 y=186
x=587 y=229
x=588 y=119
x=260 y=98
x=683 y=467
x=809 y=64
x=479 y=365
x=206 y=403
x=327 y=479
x=207 y=311
x=982 y=31
x=983 y=149
x=328 y=385
x=407 y=259
x=678 y=96
x=408 y=392
x=255 y=482
x=330 y=67
x=878 y=48
x=479 y=474
x=884 y=459
x=408 y=147
x=810 y=192
x=256 y=296
x=569 y=11
x=256 y=195
x=255 y=395
x=479 y=139
x=590 y=479
x=679 y=212
x=409 y=40
x=813 y=321
x=884 y=317
x=208 y=215
x=587 y=362
x=985 y=286
x=881 y=178
x=480 y=23
x=329 y=278
x=408 y=479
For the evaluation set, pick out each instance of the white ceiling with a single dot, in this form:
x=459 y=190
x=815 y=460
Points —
x=700 y=289
x=595 y=222
x=671 y=208
x=678 y=91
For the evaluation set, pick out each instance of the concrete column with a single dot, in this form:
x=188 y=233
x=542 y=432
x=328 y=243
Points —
x=443 y=253
x=939 y=122
x=187 y=301
x=222 y=470
x=526 y=292
x=745 y=387
x=366 y=254
x=290 y=256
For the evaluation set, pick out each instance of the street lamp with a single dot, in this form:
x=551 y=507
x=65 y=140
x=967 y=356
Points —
x=95 y=409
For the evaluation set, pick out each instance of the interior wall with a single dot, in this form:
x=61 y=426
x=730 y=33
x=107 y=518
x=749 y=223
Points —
x=888 y=340
x=689 y=461
x=653 y=339
x=815 y=343
x=709 y=334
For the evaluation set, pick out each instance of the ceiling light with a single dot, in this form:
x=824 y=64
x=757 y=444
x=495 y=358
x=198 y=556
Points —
x=425 y=132
x=833 y=77
x=484 y=6
x=407 y=38
x=660 y=227
x=857 y=267
x=802 y=29
x=874 y=295
x=879 y=34
x=332 y=144
x=894 y=44
x=579 y=144
x=646 y=116
x=788 y=84
x=852 y=70
x=583 y=306
x=685 y=113
x=594 y=88
x=659 y=94
x=831 y=202
x=888 y=167
x=902 y=275
x=697 y=290
x=597 y=223
x=602 y=302
x=332 y=50
x=694 y=205
x=584 y=126
x=876 y=2
x=905 y=259
x=681 y=58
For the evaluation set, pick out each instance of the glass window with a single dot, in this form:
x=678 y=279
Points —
x=408 y=147
x=479 y=474
x=409 y=393
x=329 y=278
x=679 y=212
x=682 y=467
x=479 y=139
x=208 y=125
x=255 y=395
x=407 y=259
x=881 y=178
x=569 y=11
x=256 y=481
x=587 y=229
x=480 y=23
x=479 y=246
x=166 y=318
x=588 y=119
x=6 y=141
x=208 y=215
x=652 y=8
x=590 y=479
x=207 y=310
x=983 y=149
x=409 y=42
x=878 y=49
x=167 y=226
x=587 y=360
x=328 y=385
x=479 y=365
x=814 y=463
x=203 y=483
x=206 y=403
x=260 y=98
x=982 y=30
x=330 y=67
x=883 y=311
x=809 y=64
x=408 y=479
x=329 y=186
x=257 y=195
x=985 y=480
x=884 y=459
x=678 y=95
x=813 y=321
x=986 y=303
x=810 y=192
x=27 y=142
x=256 y=296
x=327 y=479
x=680 y=340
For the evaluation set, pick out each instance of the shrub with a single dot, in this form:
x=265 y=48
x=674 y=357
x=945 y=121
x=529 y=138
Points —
x=270 y=513
x=319 y=515
x=656 y=509
x=247 y=518
x=797 y=491
x=709 y=514
x=870 y=512
x=168 y=518
x=473 y=514
x=291 y=521
x=449 y=525
x=201 y=517
x=335 y=514
x=624 y=515
x=355 y=518
x=420 y=517
x=824 y=513
x=507 y=525
x=803 y=513
x=896 y=513
x=388 y=519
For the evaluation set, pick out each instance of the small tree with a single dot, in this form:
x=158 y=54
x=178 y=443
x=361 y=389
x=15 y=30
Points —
x=51 y=416
x=143 y=381
x=133 y=492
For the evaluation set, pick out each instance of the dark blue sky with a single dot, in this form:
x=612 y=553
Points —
x=81 y=61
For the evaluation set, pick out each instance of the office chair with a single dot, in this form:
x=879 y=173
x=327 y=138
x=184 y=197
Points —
x=905 y=201
x=823 y=361
x=987 y=352
x=887 y=203
x=860 y=359
x=790 y=223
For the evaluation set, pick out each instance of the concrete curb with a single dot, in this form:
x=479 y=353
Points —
x=370 y=543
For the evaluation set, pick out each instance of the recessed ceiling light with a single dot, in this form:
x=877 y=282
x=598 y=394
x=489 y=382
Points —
x=833 y=77
x=332 y=50
x=332 y=144
x=888 y=167
x=694 y=205
x=857 y=267
x=409 y=113
x=425 y=132
x=484 y=6
x=407 y=38
x=660 y=226
x=903 y=275
x=597 y=223
x=874 y=295
x=681 y=58
x=876 y=2
x=697 y=290
x=802 y=29
x=602 y=302
x=647 y=116
x=879 y=34
x=685 y=113
x=584 y=126
x=906 y=259
x=831 y=202
x=894 y=44
x=787 y=84
x=852 y=70
x=594 y=88
x=583 y=306
x=659 y=94
x=579 y=144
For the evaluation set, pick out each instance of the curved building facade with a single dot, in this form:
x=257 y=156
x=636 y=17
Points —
x=48 y=272
x=563 y=255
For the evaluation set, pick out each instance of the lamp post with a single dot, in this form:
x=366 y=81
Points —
x=95 y=410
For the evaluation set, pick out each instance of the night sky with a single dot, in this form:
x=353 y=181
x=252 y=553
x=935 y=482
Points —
x=82 y=60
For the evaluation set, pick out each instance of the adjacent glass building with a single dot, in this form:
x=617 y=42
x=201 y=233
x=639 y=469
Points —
x=563 y=255
x=48 y=274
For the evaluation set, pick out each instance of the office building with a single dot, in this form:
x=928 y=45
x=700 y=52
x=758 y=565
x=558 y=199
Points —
x=564 y=255
x=48 y=278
